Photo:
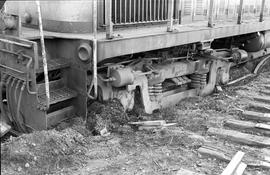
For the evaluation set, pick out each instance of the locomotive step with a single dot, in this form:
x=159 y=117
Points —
x=248 y=126
x=54 y=64
x=57 y=95
x=57 y=116
x=56 y=84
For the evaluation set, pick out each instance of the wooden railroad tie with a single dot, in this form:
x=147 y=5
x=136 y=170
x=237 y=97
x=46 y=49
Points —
x=267 y=87
x=240 y=137
x=265 y=92
x=260 y=106
x=257 y=116
x=263 y=99
x=248 y=126
x=258 y=160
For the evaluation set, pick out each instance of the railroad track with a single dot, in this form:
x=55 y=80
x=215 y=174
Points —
x=251 y=131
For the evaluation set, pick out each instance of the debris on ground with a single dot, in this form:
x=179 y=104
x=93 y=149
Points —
x=103 y=118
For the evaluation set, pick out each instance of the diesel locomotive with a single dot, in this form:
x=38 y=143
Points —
x=56 y=57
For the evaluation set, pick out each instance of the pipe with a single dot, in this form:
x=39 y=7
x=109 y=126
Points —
x=16 y=89
x=27 y=78
x=8 y=99
x=18 y=109
x=42 y=42
x=1 y=96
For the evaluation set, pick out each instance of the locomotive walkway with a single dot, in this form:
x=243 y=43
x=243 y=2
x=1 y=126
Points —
x=129 y=40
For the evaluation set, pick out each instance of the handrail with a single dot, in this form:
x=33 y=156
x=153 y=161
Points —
x=170 y=16
x=262 y=10
x=47 y=90
x=30 y=60
x=15 y=43
x=94 y=80
x=108 y=19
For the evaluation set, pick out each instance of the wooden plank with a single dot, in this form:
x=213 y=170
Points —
x=234 y=163
x=248 y=126
x=149 y=123
x=264 y=117
x=267 y=87
x=240 y=137
x=263 y=126
x=240 y=169
x=186 y=172
x=260 y=106
x=265 y=92
x=224 y=154
x=263 y=99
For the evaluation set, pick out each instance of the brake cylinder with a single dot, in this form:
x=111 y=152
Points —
x=122 y=77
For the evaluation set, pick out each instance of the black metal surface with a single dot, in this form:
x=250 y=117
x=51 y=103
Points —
x=54 y=64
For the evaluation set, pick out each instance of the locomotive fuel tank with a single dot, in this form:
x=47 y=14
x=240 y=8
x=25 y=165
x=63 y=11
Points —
x=67 y=16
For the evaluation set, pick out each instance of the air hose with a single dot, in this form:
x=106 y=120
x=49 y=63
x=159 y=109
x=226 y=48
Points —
x=8 y=99
x=3 y=112
x=18 y=108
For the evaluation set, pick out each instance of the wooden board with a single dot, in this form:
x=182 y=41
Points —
x=248 y=126
x=186 y=172
x=224 y=154
x=240 y=137
x=149 y=123
x=265 y=92
x=264 y=99
x=267 y=86
x=251 y=115
x=260 y=106
x=241 y=168
x=234 y=163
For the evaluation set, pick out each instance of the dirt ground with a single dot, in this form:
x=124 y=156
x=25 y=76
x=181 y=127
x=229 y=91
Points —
x=72 y=149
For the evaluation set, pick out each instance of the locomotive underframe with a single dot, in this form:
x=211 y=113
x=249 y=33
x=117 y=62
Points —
x=161 y=82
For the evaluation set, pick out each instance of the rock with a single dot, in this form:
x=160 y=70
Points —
x=19 y=169
x=27 y=165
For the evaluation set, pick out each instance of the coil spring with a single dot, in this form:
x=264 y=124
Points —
x=198 y=80
x=155 y=91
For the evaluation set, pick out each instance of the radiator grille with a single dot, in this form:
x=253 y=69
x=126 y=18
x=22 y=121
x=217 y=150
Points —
x=139 y=11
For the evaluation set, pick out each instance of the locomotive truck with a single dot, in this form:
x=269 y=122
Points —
x=58 y=56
